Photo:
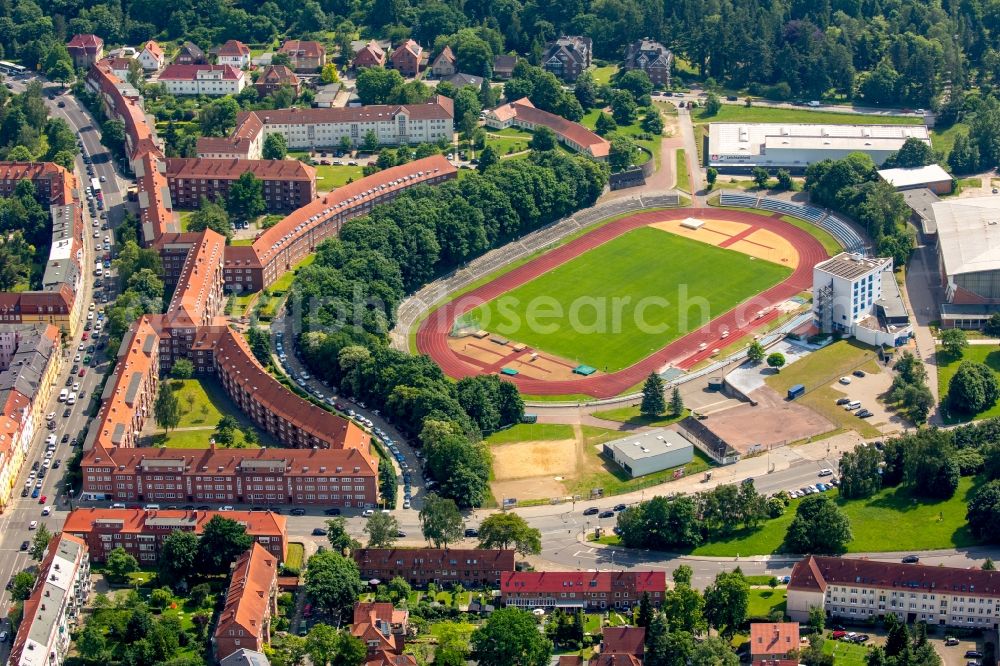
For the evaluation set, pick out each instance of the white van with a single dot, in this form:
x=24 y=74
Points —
x=152 y=507
x=71 y=399
x=851 y=406
x=63 y=394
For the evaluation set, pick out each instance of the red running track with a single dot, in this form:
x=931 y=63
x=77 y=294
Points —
x=432 y=336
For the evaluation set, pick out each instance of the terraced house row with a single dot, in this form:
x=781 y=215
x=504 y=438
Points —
x=328 y=460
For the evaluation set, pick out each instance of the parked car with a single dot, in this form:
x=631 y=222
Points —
x=951 y=641
x=298 y=511
x=913 y=559
x=973 y=654
x=471 y=532
x=606 y=514
x=332 y=512
x=592 y=511
x=858 y=373
x=319 y=531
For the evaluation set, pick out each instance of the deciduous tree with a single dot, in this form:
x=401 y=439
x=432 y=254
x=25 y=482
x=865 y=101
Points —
x=510 y=637
x=440 y=521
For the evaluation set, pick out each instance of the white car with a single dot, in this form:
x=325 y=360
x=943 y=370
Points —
x=47 y=510
x=845 y=380
x=48 y=454
x=826 y=472
x=226 y=508
x=33 y=524
x=368 y=513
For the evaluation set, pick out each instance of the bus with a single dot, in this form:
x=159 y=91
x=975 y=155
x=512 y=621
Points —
x=11 y=68
x=95 y=185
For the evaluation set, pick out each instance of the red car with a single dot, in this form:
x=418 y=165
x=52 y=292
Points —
x=41 y=500
x=86 y=336
x=837 y=635
x=82 y=372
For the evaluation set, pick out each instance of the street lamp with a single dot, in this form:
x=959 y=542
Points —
x=69 y=489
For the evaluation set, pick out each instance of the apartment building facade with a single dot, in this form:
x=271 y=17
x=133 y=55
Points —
x=857 y=589
x=52 y=610
x=142 y=533
x=287 y=184
x=441 y=566
x=208 y=80
x=245 y=620
x=587 y=590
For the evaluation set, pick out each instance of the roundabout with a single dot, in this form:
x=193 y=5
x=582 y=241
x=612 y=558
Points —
x=635 y=295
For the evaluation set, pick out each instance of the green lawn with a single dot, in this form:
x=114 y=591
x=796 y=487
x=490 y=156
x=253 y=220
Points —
x=328 y=177
x=202 y=403
x=237 y=242
x=634 y=131
x=531 y=432
x=947 y=367
x=602 y=75
x=916 y=524
x=683 y=180
x=631 y=415
x=296 y=553
x=764 y=602
x=846 y=654
x=607 y=475
x=634 y=298
x=284 y=283
x=731 y=113
x=198 y=408
x=194 y=439
x=184 y=216
x=508 y=140
x=943 y=139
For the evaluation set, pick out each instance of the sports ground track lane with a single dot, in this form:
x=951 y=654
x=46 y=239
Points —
x=432 y=336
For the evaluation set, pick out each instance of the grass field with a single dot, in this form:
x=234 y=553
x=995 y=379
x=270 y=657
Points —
x=943 y=139
x=817 y=370
x=508 y=140
x=683 y=180
x=198 y=408
x=634 y=131
x=764 y=602
x=632 y=416
x=730 y=113
x=296 y=554
x=202 y=403
x=602 y=75
x=846 y=654
x=531 y=432
x=659 y=265
x=947 y=367
x=329 y=177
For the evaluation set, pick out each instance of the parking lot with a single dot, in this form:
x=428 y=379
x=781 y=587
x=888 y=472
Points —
x=868 y=390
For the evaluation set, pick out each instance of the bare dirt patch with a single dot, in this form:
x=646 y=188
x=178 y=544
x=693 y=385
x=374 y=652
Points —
x=533 y=459
x=773 y=422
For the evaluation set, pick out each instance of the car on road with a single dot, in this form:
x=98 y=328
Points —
x=25 y=545
x=620 y=507
x=950 y=641
x=606 y=514
x=57 y=463
x=298 y=511
x=33 y=525
x=592 y=511
x=332 y=512
x=406 y=504
x=61 y=104
x=471 y=532
x=319 y=531
x=227 y=507
x=910 y=559
x=400 y=534
x=826 y=472
x=65 y=438
x=367 y=513
x=46 y=510
x=973 y=654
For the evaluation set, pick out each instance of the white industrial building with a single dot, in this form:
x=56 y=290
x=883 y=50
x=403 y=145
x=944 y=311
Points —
x=932 y=177
x=969 y=259
x=858 y=296
x=743 y=146
x=648 y=452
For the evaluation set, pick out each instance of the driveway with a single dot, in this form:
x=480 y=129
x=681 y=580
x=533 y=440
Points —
x=954 y=655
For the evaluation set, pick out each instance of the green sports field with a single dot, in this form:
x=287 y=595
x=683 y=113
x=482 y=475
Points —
x=623 y=300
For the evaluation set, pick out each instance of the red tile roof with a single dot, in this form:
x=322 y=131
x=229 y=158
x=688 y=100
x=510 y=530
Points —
x=485 y=558
x=257 y=523
x=233 y=168
x=522 y=109
x=398 y=177
x=85 y=41
x=254 y=576
x=177 y=72
x=195 y=300
x=154 y=49
x=438 y=107
x=233 y=47
x=278 y=75
x=815 y=572
x=309 y=49
x=370 y=53
x=581 y=581
x=774 y=637
x=623 y=640
x=409 y=46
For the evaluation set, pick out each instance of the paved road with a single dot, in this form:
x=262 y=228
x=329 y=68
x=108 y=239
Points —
x=14 y=522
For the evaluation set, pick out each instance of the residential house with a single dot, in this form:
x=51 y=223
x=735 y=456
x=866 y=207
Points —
x=381 y=626
x=651 y=57
x=274 y=77
x=460 y=80
x=445 y=64
x=522 y=113
x=85 y=50
x=441 y=566
x=234 y=53
x=568 y=57
x=245 y=657
x=305 y=56
x=581 y=589
x=408 y=58
x=151 y=57
x=770 y=641
x=208 y=80
x=503 y=67
x=620 y=646
x=190 y=54
x=245 y=621
x=370 y=55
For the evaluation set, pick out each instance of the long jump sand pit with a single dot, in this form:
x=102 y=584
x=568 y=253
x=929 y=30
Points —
x=741 y=237
x=713 y=232
x=769 y=246
x=492 y=357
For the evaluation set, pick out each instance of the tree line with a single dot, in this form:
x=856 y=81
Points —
x=396 y=249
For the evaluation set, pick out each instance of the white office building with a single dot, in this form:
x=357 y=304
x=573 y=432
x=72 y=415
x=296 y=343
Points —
x=858 y=296
x=209 y=80
x=51 y=612
x=742 y=146
x=648 y=452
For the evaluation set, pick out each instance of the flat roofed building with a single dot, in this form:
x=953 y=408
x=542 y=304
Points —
x=648 y=452
x=969 y=249
x=209 y=80
x=52 y=610
x=932 y=177
x=921 y=202
x=141 y=533
x=794 y=146
x=858 y=296
x=859 y=589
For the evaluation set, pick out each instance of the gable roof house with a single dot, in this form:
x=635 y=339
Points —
x=369 y=55
x=190 y=54
x=408 y=58
x=85 y=50
x=503 y=67
x=245 y=621
x=305 y=56
x=568 y=57
x=151 y=57
x=651 y=57
x=275 y=76
x=235 y=53
x=445 y=64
